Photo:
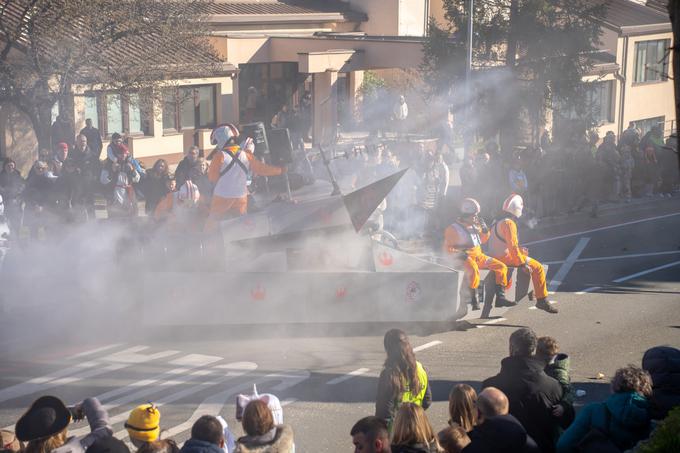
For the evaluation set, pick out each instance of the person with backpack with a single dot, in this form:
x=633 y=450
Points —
x=229 y=170
x=616 y=424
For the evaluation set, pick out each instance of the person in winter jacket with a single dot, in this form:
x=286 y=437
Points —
x=453 y=439
x=11 y=186
x=402 y=380
x=154 y=185
x=498 y=431
x=262 y=435
x=119 y=177
x=143 y=424
x=557 y=367
x=532 y=393
x=609 y=157
x=504 y=246
x=663 y=364
x=45 y=425
x=463 y=407
x=463 y=240
x=229 y=170
x=624 y=417
x=412 y=431
x=185 y=165
x=207 y=436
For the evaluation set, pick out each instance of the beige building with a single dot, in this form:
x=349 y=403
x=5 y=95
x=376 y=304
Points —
x=276 y=52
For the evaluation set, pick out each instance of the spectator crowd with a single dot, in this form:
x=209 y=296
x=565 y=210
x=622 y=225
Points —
x=528 y=407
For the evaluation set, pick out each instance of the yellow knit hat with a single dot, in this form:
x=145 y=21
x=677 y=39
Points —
x=144 y=423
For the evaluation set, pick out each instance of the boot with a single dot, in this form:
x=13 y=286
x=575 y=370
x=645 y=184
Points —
x=474 y=301
x=543 y=304
x=501 y=301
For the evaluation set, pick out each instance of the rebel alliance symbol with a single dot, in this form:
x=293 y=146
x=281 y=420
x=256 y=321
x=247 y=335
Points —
x=249 y=223
x=385 y=258
x=340 y=292
x=258 y=293
x=413 y=292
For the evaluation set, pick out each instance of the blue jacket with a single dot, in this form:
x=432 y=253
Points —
x=629 y=422
x=200 y=446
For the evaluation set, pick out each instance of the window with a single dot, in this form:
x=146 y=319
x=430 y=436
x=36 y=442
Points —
x=651 y=61
x=112 y=112
x=600 y=101
x=189 y=108
x=647 y=124
x=91 y=111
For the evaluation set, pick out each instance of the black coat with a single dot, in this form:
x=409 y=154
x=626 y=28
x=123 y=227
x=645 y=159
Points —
x=416 y=448
x=501 y=434
x=663 y=363
x=532 y=395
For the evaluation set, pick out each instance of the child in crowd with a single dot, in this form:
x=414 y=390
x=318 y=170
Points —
x=557 y=367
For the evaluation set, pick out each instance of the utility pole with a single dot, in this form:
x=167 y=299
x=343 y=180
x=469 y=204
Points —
x=674 y=13
x=469 y=133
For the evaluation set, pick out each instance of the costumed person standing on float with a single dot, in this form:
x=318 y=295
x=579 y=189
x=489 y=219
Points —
x=463 y=240
x=504 y=246
x=229 y=170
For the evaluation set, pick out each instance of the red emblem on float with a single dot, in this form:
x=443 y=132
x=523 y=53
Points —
x=258 y=293
x=413 y=292
x=341 y=292
x=325 y=216
x=249 y=223
x=385 y=258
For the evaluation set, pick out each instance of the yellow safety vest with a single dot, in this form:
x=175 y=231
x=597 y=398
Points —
x=407 y=396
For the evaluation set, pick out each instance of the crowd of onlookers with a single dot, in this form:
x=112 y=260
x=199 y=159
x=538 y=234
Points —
x=528 y=407
x=584 y=173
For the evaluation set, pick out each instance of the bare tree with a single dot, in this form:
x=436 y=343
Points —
x=674 y=13
x=49 y=47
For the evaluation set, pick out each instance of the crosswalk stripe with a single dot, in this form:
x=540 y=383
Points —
x=213 y=404
x=94 y=351
x=132 y=355
x=62 y=377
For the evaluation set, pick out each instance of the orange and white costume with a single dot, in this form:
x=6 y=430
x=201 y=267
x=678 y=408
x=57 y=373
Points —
x=180 y=207
x=504 y=245
x=468 y=240
x=229 y=170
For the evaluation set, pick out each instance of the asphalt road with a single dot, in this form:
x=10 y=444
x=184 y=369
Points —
x=613 y=306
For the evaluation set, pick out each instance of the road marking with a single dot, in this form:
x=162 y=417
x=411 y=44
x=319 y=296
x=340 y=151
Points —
x=131 y=355
x=616 y=257
x=594 y=230
x=288 y=401
x=348 y=376
x=94 y=351
x=648 y=271
x=490 y=321
x=426 y=346
x=564 y=269
x=588 y=290
x=213 y=405
x=238 y=369
x=293 y=379
x=43 y=384
x=195 y=360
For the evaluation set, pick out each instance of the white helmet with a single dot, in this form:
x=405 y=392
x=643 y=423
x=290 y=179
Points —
x=223 y=135
x=470 y=206
x=514 y=205
x=189 y=193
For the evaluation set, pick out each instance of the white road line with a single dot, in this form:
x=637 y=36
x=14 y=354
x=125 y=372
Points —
x=564 y=269
x=616 y=257
x=291 y=379
x=27 y=388
x=94 y=351
x=490 y=321
x=426 y=346
x=195 y=360
x=239 y=369
x=288 y=401
x=348 y=376
x=131 y=355
x=588 y=290
x=213 y=405
x=594 y=230
x=648 y=271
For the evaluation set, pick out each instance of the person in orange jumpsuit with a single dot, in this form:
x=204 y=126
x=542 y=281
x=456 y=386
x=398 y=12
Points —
x=504 y=246
x=228 y=171
x=463 y=239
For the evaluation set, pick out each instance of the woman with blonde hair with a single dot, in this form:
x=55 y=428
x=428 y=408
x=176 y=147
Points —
x=463 y=406
x=412 y=431
x=402 y=380
x=45 y=425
